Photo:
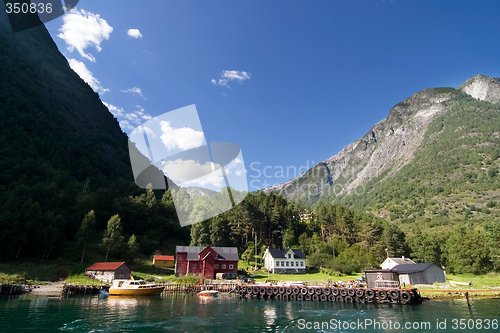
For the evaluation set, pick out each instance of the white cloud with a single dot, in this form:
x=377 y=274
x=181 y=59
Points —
x=189 y=172
x=133 y=90
x=82 y=29
x=228 y=76
x=86 y=75
x=124 y=124
x=116 y=111
x=137 y=116
x=134 y=33
x=183 y=138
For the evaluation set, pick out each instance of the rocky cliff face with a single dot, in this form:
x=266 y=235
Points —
x=386 y=148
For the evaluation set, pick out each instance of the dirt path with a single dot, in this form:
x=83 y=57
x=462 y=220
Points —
x=51 y=289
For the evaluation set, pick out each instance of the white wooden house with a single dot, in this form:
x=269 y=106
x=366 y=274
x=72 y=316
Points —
x=285 y=261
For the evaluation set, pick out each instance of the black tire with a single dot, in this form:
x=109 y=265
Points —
x=300 y=297
x=281 y=290
x=349 y=299
x=275 y=290
x=262 y=290
x=323 y=298
x=255 y=290
x=237 y=289
x=339 y=298
x=382 y=295
x=293 y=297
x=335 y=291
x=315 y=297
x=351 y=292
x=343 y=292
x=244 y=288
x=285 y=297
x=394 y=295
x=331 y=298
x=308 y=297
x=310 y=291
x=360 y=293
x=241 y=293
x=405 y=297
x=289 y=291
x=278 y=296
x=295 y=290
x=318 y=291
x=303 y=291
x=370 y=294
x=327 y=291
x=269 y=291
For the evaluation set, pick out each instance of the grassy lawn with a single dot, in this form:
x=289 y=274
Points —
x=489 y=280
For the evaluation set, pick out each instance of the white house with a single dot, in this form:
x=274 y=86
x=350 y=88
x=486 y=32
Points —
x=390 y=263
x=285 y=261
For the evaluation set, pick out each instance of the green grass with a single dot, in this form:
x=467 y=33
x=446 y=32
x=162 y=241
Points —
x=489 y=280
x=313 y=276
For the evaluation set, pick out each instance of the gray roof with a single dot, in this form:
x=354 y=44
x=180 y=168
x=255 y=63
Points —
x=280 y=253
x=407 y=269
x=223 y=253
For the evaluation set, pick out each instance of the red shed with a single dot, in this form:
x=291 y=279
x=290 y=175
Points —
x=206 y=261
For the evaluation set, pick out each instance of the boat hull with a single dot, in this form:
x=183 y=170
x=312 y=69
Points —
x=138 y=291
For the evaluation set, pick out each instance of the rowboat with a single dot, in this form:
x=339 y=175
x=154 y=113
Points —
x=456 y=283
x=206 y=293
x=134 y=287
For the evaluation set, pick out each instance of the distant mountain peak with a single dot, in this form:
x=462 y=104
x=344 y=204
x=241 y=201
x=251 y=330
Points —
x=482 y=87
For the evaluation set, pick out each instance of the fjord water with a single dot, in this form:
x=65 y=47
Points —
x=190 y=313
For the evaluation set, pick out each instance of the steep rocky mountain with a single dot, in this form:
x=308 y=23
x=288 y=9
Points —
x=442 y=138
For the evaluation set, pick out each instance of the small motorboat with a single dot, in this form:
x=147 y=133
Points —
x=134 y=287
x=208 y=293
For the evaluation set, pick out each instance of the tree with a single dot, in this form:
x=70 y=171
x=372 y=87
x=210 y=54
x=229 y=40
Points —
x=133 y=247
x=113 y=235
x=87 y=227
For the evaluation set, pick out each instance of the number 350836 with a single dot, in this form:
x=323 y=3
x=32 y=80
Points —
x=26 y=8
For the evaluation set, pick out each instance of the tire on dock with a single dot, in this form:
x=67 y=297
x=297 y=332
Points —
x=331 y=298
x=335 y=291
x=288 y=291
x=281 y=290
x=323 y=298
x=315 y=297
x=255 y=290
x=339 y=298
x=348 y=299
x=360 y=300
x=343 y=292
x=318 y=291
x=327 y=291
x=296 y=290
x=405 y=296
x=351 y=292
x=382 y=295
x=360 y=292
x=394 y=295
x=293 y=297
x=303 y=291
x=308 y=297
x=370 y=294
x=269 y=291
x=310 y=291
x=300 y=297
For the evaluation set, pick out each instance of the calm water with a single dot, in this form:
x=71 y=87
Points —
x=189 y=313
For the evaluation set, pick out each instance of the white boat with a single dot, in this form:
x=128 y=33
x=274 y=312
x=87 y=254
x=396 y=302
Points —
x=208 y=293
x=456 y=283
x=134 y=287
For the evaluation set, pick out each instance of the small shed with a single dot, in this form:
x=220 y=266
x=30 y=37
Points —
x=108 y=271
x=426 y=273
x=381 y=278
x=163 y=261
x=390 y=263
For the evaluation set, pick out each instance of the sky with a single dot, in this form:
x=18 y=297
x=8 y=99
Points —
x=291 y=82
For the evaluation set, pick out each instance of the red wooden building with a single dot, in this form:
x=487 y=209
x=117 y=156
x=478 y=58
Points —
x=206 y=261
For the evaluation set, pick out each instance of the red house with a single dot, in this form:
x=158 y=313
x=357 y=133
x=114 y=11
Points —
x=206 y=261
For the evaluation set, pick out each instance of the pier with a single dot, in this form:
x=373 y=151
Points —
x=329 y=294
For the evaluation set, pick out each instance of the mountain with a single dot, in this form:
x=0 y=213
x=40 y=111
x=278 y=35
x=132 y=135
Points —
x=435 y=155
x=55 y=136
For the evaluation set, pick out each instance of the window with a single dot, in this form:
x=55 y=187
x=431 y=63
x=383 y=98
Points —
x=289 y=256
x=291 y=264
x=287 y=264
x=216 y=266
x=194 y=266
x=230 y=266
x=282 y=264
x=164 y=262
x=223 y=266
x=277 y=263
x=302 y=263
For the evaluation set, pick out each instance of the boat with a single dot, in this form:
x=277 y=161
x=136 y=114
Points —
x=456 y=283
x=134 y=287
x=208 y=293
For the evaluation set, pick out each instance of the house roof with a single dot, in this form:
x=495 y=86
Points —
x=161 y=257
x=281 y=253
x=407 y=269
x=401 y=261
x=105 y=266
x=223 y=253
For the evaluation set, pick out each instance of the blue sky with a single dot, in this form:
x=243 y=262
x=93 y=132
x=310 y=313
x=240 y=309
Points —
x=303 y=78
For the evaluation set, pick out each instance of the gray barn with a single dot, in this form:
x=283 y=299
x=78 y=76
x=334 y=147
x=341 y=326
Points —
x=427 y=273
